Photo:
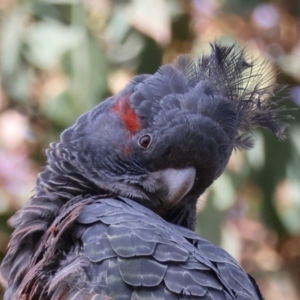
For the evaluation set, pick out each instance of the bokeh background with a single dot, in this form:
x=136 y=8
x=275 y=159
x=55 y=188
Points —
x=61 y=57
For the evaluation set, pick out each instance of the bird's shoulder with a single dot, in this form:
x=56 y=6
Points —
x=129 y=252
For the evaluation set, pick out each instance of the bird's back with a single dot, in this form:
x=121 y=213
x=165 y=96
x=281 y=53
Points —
x=118 y=249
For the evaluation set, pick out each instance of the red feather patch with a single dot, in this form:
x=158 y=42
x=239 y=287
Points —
x=127 y=114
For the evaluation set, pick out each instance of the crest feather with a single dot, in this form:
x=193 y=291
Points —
x=247 y=83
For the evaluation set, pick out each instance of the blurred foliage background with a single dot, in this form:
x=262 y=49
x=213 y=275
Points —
x=61 y=57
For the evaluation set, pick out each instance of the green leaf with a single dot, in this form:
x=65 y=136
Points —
x=49 y=40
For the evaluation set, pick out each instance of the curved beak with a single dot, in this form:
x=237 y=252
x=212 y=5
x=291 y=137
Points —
x=178 y=183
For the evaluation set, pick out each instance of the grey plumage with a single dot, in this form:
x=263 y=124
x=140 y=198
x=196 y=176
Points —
x=108 y=221
x=125 y=251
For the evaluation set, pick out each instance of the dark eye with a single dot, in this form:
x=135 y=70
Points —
x=145 y=141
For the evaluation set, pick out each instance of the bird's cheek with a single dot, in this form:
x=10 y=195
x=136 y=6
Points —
x=127 y=150
x=128 y=145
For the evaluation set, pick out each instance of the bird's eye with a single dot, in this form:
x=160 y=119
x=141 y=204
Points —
x=145 y=141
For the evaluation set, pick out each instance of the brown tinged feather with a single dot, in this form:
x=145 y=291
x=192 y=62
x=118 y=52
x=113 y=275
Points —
x=48 y=246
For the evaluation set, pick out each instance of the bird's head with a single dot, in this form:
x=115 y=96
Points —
x=166 y=137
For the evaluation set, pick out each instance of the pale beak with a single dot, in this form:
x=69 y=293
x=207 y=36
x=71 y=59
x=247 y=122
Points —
x=178 y=183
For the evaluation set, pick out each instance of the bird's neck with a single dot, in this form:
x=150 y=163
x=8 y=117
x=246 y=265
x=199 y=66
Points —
x=184 y=213
x=66 y=183
x=60 y=182
x=62 y=178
